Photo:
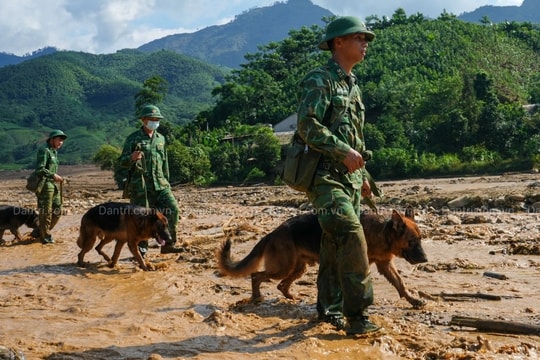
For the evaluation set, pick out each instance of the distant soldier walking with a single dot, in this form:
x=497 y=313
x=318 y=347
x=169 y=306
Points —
x=49 y=192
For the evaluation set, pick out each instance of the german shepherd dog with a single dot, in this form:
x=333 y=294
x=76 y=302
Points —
x=294 y=244
x=124 y=223
x=13 y=217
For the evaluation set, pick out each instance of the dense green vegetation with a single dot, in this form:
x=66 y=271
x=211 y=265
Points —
x=91 y=98
x=443 y=97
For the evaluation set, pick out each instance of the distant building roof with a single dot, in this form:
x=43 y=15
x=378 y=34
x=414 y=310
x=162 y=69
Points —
x=284 y=137
x=286 y=125
x=528 y=107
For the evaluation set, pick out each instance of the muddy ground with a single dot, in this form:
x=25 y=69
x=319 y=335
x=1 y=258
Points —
x=52 y=309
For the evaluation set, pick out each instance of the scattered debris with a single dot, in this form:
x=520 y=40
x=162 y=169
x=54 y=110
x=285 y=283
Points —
x=506 y=327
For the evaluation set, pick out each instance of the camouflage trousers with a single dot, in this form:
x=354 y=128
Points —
x=162 y=200
x=344 y=283
x=49 y=201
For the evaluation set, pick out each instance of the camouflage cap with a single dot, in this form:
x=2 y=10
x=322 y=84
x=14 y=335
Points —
x=150 y=111
x=344 y=26
x=56 y=133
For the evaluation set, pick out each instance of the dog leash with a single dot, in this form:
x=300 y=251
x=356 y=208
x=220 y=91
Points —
x=62 y=192
x=375 y=191
x=141 y=166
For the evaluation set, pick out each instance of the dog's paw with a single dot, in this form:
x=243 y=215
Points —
x=148 y=267
x=249 y=301
x=417 y=303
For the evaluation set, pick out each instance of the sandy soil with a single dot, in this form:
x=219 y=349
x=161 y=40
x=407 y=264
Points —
x=52 y=309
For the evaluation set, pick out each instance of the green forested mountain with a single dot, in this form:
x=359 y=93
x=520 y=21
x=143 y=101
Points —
x=528 y=11
x=227 y=44
x=10 y=59
x=91 y=97
x=442 y=95
x=411 y=59
x=439 y=93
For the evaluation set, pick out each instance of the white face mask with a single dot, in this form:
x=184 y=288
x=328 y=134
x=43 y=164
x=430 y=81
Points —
x=152 y=125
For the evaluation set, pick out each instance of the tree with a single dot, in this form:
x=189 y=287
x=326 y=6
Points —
x=264 y=90
x=106 y=157
x=265 y=151
x=153 y=92
x=485 y=20
x=188 y=164
x=226 y=163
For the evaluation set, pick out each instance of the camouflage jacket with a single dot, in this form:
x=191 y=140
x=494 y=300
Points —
x=153 y=170
x=47 y=162
x=327 y=89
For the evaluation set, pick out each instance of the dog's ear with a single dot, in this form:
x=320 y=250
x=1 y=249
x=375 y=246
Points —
x=409 y=212
x=161 y=217
x=397 y=221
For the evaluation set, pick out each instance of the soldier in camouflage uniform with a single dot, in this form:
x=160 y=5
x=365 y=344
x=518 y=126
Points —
x=145 y=155
x=49 y=194
x=326 y=95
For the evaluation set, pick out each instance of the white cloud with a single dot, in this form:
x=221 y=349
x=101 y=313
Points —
x=105 y=26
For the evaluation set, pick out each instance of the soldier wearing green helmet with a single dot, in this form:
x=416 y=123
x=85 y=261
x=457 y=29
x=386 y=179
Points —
x=49 y=192
x=150 y=111
x=345 y=26
x=144 y=155
x=331 y=120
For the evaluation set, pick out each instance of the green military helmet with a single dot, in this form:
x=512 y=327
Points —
x=150 y=111
x=344 y=26
x=56 y=133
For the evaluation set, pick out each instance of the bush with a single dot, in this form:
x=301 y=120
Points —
x=255 y=175
x=189 y=164
x=391 y=163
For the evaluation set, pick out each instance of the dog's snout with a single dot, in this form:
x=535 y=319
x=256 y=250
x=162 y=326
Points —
x=415 y=255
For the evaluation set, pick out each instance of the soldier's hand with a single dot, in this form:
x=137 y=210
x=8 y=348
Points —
x=353 y=161
x=366 y=189
x=136 y=155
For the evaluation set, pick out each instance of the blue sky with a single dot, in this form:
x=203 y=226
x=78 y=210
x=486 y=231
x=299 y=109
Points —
x=105 y=26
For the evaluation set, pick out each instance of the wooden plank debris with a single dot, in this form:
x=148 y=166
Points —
x=499 y=326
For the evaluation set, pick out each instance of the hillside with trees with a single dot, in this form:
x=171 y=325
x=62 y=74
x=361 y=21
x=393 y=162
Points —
x=91 y=97
x=528 y=11
x=227 y=44
x=443 y=96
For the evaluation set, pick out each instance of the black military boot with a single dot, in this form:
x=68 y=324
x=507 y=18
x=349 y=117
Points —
x=171 y=249
x=48 y=240
x=360 y=325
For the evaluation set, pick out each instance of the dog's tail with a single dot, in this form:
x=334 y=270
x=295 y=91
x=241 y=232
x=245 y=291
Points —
x=244 y=267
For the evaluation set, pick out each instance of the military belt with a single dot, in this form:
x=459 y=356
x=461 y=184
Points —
x=330 y=166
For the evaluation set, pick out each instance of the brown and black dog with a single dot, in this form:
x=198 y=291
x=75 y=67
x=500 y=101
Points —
x=124 y=223
x=293 y=245
x=13 y=217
